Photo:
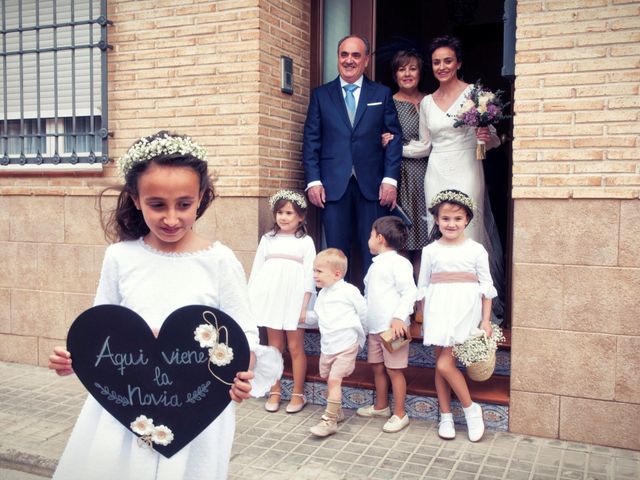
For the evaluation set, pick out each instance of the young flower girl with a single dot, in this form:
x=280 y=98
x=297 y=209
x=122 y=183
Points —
x=457 y=289
x=281 y=286
x=158 y=265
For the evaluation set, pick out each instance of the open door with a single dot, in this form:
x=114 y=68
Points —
x=480 y=26
x=388 y=24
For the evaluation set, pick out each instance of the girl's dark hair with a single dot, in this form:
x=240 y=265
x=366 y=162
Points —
x=402 y=58
x=449 y=41
x=435 y=232
x=125 y=221
x=301 y=231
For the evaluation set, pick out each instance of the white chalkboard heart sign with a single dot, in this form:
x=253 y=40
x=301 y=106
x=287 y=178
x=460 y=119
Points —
x=168 y=389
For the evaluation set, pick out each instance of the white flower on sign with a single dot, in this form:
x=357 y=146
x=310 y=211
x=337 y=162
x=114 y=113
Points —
x=162 y=435
x=206 y=335
x=221 y=355
x=142 y=425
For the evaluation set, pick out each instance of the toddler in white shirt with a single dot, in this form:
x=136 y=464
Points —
x=342 y=313
x=390 y=291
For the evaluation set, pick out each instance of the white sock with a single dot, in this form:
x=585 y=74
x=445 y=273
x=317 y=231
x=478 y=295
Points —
x=470 y=408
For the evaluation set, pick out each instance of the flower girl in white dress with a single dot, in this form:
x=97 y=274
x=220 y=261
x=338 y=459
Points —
x=456 y=288
x=160 y=264
x=281 y=286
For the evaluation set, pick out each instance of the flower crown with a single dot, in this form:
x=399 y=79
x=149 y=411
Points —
x=290 y=196
x=454 y=196
x=145 y=149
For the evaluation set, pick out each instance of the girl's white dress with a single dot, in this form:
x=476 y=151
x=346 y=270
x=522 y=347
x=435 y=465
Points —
x=282 y=273
x=453 y=164
x=453 y=311
x=154 y=284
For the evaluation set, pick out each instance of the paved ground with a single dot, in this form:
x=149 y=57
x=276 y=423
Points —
x=38 y=410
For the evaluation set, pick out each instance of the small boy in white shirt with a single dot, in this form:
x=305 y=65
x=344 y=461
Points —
x=342 y=313
x=390 y=291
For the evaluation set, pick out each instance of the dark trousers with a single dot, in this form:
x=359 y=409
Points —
x=352 y=210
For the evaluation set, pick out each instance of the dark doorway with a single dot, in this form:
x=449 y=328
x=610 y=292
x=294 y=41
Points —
x=412 y=24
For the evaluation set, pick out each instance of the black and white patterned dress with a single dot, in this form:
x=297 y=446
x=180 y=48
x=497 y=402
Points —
x=412 y=172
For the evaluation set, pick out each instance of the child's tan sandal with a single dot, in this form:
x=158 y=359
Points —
x=329 y=421
x=270 y=406
x=328 y=426
x=297 y=407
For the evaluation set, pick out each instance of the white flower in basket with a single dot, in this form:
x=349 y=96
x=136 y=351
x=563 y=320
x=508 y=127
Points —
x=478 y=353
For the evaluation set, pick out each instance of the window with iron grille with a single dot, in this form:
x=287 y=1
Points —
x=53 y=83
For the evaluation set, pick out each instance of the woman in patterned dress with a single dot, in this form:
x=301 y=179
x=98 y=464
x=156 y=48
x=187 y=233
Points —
x=407 y=67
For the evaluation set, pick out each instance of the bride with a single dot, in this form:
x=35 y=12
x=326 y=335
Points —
x=452 y=162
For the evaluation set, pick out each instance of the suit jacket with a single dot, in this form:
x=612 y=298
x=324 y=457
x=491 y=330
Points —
x=332 y=146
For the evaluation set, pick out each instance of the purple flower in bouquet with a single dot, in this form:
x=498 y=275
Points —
x=470 y=117
x=481 y=108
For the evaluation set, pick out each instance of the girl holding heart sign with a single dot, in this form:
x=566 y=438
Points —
x=159 y=264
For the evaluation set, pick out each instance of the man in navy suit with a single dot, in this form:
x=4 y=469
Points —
x=349 y=174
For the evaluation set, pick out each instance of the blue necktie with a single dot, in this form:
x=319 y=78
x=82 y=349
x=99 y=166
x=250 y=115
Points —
x=350 y=100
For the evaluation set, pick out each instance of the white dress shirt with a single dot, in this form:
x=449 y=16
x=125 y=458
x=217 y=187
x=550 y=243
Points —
x=390 y=291
x=356 y=92
x=342 y=317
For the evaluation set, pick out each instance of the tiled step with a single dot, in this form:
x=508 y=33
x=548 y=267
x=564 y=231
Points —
x=358 y=389
x=420 y=381
x=420 y=355
x=416 y=335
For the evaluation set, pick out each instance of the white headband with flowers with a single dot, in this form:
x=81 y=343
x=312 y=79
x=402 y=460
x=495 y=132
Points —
x=290 y=196
x=452 y=196
x=144 y=150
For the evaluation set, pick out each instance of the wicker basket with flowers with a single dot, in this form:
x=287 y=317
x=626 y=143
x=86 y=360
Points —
x=478 y=353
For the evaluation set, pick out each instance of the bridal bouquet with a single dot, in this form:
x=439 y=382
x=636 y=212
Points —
x=478 y=353
x=481 y=108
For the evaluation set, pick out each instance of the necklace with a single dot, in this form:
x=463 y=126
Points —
x=415 y=100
